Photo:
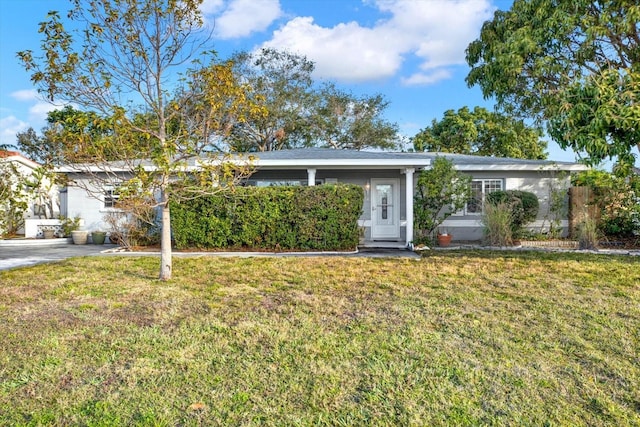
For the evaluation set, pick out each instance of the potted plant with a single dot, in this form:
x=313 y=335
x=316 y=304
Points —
x=98 y=237
x=48 y=232
x=79 y=237
x=69 y=225
x=444 y=237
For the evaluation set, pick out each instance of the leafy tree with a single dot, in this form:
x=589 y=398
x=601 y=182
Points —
x=39 y=148
x=300 y=114
x=483 y=133
x=282 y=83
x=440 y=191
x=572 y=64
x=13 y=200
x=346 y=121
x=71 y=135
x=119 y=59
x=617 y=199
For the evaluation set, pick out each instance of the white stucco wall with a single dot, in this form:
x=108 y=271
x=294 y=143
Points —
x=464 y=227
x=469 y=227
x=90 y=209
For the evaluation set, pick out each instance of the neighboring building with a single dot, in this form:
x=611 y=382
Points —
x=41 y=195
x=388 y=180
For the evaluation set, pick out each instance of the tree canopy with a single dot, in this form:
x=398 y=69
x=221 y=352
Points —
x=73 y=135
x=343 y=120
x=282 y=83
x=122 y=63
x=302 y=113
x=572 y=64
x=481 y=132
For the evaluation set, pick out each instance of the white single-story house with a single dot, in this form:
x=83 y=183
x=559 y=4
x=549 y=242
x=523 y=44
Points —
x=388 y=180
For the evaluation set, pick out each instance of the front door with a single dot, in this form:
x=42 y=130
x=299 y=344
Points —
x=385 y=209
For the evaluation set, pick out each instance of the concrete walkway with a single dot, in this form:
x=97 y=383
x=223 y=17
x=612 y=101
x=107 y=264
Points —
x=21 y=253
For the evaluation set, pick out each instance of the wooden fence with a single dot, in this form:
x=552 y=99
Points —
x=582 y=205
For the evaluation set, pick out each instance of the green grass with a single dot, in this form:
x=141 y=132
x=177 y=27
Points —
x=469 y=338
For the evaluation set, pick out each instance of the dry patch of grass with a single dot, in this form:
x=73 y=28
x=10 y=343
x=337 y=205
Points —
x=454 y=339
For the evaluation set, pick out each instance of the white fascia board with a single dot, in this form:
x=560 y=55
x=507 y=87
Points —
x=519 y=167
x=21 y=159
x=342 y=163
x=275 y=164
x=93 y=169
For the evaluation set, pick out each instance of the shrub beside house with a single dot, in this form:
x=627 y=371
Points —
x=319 y=218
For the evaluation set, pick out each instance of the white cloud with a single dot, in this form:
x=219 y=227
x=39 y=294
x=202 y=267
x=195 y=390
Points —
x=241 y=18
x=421 y=79
x=38 y=113
x=9 y=127
x=40 y=108
x=25 y=95
x=209 y=7
x=435 y=33
x=345 y=52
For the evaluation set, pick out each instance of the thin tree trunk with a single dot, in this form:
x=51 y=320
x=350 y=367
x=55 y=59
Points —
x=165 y=240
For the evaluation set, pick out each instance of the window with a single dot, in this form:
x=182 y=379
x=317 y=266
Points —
x=111 y=198
x=479 y=189
x=281 y=182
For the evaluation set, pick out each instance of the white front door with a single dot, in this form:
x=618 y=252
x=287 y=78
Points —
x=385 y=209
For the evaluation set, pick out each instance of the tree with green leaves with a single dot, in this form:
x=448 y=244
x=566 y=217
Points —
x=123 y=61
x=346 y=121
x=572 y=64
x=59 y=143
x=440 y=191
x=282 y=83
x=301 y=113
x=483 y=133
x=13 y=199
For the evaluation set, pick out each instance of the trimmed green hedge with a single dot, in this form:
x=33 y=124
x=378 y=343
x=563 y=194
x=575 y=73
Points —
x=323 y=217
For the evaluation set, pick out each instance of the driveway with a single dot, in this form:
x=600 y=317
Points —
x=21 y=255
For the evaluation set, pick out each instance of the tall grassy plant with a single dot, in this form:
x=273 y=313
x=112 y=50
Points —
x=524 y=207
x=588 y=234
x=497 y=220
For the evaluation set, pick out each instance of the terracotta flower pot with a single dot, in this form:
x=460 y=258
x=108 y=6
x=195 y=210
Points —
x=444 y=239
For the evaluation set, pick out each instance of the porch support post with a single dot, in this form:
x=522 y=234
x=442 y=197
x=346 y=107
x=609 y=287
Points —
x=311 y=177
x=408 y=174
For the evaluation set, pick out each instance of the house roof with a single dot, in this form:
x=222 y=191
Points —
x=465 y=162
x=340 y=159
x=328 y=158
x=14 y=156
x=7 y=153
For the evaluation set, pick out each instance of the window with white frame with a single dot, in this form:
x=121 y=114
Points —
x=111 y=197
x=281 y=182
x=479 y=189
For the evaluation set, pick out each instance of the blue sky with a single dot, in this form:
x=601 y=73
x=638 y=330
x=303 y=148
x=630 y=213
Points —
x=410 y=51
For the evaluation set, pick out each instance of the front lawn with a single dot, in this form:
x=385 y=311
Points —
x=461 y=338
